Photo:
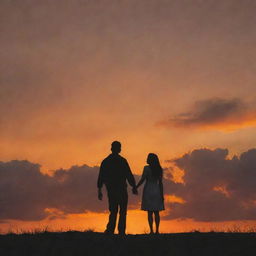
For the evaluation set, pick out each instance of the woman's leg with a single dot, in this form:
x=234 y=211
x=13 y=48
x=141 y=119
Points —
x=157 y=221
x=150 y=221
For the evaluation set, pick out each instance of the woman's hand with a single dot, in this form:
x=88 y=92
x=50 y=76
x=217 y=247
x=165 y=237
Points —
x=134 y=190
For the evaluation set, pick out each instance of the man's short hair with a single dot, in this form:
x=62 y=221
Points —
x=115 y=144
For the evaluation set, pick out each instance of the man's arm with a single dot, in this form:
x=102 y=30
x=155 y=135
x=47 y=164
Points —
x=130 y=178
x=100 y=181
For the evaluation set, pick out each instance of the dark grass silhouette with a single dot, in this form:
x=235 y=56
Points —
x=92 y=243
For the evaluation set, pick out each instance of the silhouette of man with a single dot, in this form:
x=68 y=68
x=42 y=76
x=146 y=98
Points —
x=114 y=171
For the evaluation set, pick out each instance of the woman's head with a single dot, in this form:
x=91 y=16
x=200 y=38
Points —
x=154 y=163
x=152 y=159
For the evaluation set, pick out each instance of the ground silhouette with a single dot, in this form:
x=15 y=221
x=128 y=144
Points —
x=92 y=243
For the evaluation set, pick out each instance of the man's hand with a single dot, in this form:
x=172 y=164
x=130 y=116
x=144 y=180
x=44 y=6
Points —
x=100 y=195
x=135 y=191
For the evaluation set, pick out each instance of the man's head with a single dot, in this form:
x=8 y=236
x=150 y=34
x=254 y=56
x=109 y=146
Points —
x=116 y=147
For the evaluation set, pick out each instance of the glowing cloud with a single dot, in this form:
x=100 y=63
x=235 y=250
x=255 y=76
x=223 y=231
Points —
x=212 y=188
x=215 y=187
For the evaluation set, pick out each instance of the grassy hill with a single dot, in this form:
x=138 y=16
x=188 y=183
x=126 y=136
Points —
x=74 y=243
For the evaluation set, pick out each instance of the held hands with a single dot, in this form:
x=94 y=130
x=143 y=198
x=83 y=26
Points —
x=134 y=190
x=100 y=195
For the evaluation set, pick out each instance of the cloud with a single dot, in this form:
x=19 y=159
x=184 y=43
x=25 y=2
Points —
x=216 y=113
x=28 y=194
x=215 y=187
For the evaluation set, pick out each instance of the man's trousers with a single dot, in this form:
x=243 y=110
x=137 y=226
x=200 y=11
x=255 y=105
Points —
x=118 y=201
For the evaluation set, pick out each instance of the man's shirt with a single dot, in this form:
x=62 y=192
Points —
x=114 y=171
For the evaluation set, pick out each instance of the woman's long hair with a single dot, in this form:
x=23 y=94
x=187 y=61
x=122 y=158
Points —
x=155 y=166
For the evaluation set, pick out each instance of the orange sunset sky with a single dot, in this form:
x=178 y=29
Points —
x=173 y=77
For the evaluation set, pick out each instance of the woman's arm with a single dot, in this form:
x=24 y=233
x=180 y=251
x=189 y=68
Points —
x=143 y=177
x=161 y=187
x=140 y=182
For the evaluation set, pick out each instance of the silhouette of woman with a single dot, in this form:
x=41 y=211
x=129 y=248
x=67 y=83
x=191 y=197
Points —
x=152 y=197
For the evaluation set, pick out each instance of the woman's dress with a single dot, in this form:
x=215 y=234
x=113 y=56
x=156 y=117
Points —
x=151 y=198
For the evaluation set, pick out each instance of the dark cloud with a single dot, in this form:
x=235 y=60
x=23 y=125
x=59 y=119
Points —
x=215 y=187
x=23 y=191
x=213 y=113
x=28 y=194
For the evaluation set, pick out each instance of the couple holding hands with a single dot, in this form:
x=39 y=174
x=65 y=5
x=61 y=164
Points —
x=114 y=172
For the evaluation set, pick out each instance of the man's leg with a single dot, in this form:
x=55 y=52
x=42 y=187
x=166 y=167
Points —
x=113 y=209
x=122 y=213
